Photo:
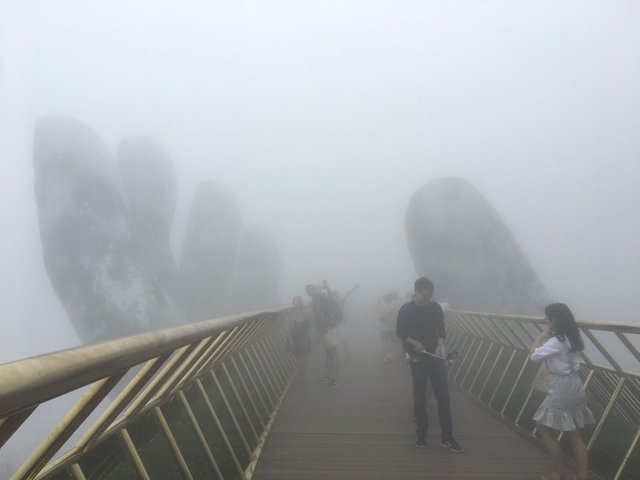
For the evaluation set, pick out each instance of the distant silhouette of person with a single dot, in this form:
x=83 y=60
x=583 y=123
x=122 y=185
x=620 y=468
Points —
x=340 y=301
x=387 y=312
x=326 y=318
x=421 y=328
x=565 y=406
x=300 y=336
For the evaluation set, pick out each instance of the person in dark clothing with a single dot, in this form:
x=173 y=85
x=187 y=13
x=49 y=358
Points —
x=300 y=336
x=326 y=316
x=420 y=326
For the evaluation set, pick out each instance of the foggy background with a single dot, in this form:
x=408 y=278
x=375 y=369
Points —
x=324 y=117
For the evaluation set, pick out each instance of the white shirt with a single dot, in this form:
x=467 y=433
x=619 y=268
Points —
x=387 y=313
x=558 y=357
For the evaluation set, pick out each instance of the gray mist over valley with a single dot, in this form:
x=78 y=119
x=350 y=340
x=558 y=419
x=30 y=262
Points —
x=318 y=122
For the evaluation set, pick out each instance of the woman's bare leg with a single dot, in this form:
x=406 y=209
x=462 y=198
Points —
x=553 y=449
x=579 y=453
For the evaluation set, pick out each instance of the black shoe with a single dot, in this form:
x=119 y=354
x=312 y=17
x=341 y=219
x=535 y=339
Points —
x=421 y=443
x=451 y=445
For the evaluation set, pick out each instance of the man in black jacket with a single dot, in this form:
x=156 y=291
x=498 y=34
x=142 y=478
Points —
x=421 y=327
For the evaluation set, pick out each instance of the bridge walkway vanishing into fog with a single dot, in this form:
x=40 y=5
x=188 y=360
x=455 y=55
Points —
x=218 y=400
x=363 y=429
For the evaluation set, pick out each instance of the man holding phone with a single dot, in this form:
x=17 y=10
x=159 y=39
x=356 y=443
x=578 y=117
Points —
x=420 y=326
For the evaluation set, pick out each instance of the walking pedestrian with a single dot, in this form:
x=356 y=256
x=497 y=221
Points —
x=300 y=336
x=387 y=312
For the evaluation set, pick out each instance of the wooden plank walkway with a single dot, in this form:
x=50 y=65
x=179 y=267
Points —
x=363 y=429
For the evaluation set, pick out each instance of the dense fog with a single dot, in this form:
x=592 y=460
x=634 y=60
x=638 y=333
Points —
x=324 y=117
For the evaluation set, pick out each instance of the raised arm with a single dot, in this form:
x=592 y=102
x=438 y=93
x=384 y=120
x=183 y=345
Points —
x=544 y=346
x=344 y=299
x=540 y=339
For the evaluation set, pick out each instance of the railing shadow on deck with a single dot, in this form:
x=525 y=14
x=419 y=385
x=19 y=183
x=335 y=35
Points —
x=190 y=402
x=494 y=369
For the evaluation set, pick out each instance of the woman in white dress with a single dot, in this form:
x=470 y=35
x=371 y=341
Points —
x=565 y=406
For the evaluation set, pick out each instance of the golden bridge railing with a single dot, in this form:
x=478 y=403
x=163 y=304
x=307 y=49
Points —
x=191 y=402
x=494 y=368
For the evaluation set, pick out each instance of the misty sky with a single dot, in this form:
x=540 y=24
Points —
x=325 y=116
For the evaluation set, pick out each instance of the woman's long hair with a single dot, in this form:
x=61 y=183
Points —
x=566 y=326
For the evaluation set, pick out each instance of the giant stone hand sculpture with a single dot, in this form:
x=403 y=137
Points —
x=149 y=179
x=209 y=251
x=458 y=240
x=91 y=254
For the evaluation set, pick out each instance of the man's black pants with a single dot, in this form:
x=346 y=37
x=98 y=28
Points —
x=435 y=370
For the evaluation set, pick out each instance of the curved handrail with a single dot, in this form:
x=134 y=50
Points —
x=34 y=380
x=628 y=327
x=240 y=361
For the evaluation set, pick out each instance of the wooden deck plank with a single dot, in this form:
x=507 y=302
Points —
x=363 y=429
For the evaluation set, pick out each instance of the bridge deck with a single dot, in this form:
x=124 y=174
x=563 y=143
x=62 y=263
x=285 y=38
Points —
x=363 y=429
